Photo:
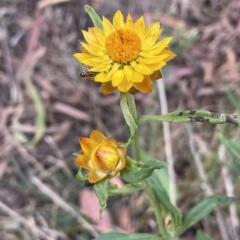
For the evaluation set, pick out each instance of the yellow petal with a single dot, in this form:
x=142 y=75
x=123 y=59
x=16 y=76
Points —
x=107 y=27
x=118 y=20
x=80 y=56
x=170 y=54
x=97 y=136
x=148 y=42
x=139 y=26
x=107 y=88
x=117 y=77
x=100 y=68
x=94 y=176
x=134 y=66
x=99 y=34
x=158 y=47
x=128 y=72
x=144 y=69
x=83 y=161
x=102 y=77
x=153 y=60
x=157 y=66
x=114 y=68
x=137 y=77
x=145 y=86
x=125 y=85
x=91 y=39
x=88 y=146
x=103 y=60
x=151 y=29
x=129 y=22
x=93 y=50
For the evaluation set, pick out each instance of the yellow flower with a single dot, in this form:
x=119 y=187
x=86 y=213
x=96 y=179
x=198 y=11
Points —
x=101 y=156
x=124 y=55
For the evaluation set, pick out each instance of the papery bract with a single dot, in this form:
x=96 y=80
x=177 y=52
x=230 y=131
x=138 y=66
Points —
x=101 y=156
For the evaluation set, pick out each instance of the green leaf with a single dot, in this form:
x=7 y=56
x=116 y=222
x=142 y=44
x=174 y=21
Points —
x=203 y=236
x=40 y=112
x=101 y=189
x=162 y=175
x=79 y=176
x=194 y=116
x=202 y=209
x=233 y=150
x=162 y=196
x=128 y=117
x=133 y=236
x=127 y=189
x=135 y=171
x=97 y=22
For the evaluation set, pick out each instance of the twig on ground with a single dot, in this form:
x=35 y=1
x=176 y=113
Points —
x=230 y=193
x=167 y=140
x=205 y=184
x=32 y=227
x=64 y=205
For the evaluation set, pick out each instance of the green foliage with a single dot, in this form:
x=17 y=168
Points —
x=80 y=176
x=233 y=150
x=194 y=116
x=128 y=117
x=161 y=194
x=202 y=209
x=203 y=236
x=101 y=189
x=127 y=189
x=40 y=112
x=135 y=171
x=97 y=22
x=134 y=236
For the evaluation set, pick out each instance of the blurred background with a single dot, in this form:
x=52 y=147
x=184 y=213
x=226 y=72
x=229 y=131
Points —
x=45 y=107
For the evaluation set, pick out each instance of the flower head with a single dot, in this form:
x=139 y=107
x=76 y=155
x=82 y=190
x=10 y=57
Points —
x=124 y=55
x=101 y=156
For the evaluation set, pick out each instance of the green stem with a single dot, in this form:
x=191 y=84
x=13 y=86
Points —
x=194 y=116
x=133 y=111
x=158 y=211
x=148 y=190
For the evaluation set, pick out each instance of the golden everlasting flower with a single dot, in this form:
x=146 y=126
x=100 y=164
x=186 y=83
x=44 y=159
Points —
x=124 y=55
x=101 y=156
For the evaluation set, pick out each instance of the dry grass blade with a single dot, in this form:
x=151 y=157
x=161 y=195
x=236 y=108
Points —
x=36 y=231
x=205 y=184
x=167 y=140
x=64 y=205
x=45 y=3
x=40 y=112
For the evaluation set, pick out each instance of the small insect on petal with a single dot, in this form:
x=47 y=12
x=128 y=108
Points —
x=85 y=73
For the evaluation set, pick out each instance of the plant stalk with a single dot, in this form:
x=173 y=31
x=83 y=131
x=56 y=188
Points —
x=148 y=190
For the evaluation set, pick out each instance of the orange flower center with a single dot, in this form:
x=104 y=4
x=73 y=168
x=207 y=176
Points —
x=123 y=46
x=105 y=158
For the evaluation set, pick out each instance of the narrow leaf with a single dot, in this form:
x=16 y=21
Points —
x=128 y=117
x=97 y=22
x=233 y=150
x=40 y=112
x=202 y=209
x=203 y=236
x=101 y=189
x=127 y=189
x=135 y=171
x=161 y=194
x=194 y=116
x=79 y=176
x=133 y=236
